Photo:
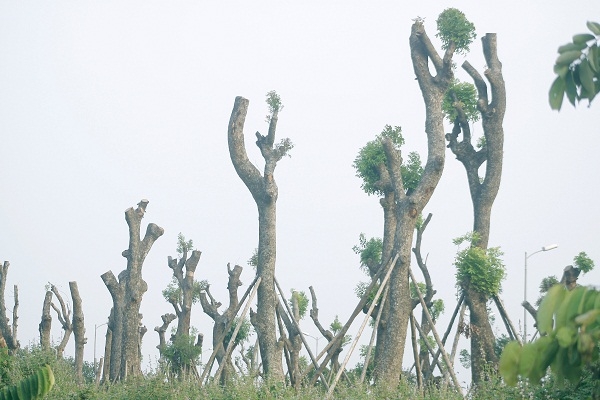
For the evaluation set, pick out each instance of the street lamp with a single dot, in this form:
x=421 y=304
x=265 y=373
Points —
x=545 y=248
x=316 y=341
x=95 y=330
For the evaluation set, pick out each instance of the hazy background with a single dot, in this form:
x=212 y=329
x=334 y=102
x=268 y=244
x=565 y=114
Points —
x=103 y=104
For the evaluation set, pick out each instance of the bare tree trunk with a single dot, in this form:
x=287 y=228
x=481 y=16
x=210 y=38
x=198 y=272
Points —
x=78 y=330
x=15 y=313
x=107 y=354
x=264 y=191
x=162 y=341
x=115 y=323
x=7 y=330
x=64 y=317
x=410 y=205
x=135 y=287
x=186 y=284
x=46 y=323
x=483 y=192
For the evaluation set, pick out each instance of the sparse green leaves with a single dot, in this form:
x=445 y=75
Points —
x=184 y=245
x=583 y=262
x=464 y=95
x=301 y=299
x=369 y=250
x=578 y=69
x=274 y=103
x=454 y=27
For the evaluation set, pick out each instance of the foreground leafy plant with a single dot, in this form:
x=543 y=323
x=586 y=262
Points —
x=570 y=324
x=34 y=387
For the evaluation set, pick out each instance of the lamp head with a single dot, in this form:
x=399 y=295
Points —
x=549 y=247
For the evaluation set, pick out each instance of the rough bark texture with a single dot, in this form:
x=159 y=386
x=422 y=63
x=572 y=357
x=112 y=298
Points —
x=408 y=206
x=135 y=287
x=293 y=341
x=185 y=280
x=115 y=324
x=222 y=320
x=78 y=331
x=64 y=317
x=162 y=341
x=483 y=192
x=46 y=324
x=5 y=328
x=264 y=191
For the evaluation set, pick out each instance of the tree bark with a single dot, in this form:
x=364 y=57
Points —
x=46 y=324
x=264 y=191
x=135 y=287
x=408 y=206
x=5 y=328
x=78 y=331
x=483 y=192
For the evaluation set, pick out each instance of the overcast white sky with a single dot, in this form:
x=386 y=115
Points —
x=105 y=103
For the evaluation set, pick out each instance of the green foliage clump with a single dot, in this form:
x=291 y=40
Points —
x=464 y=94
x=302 y=301
x=173 y=293
x=182 y=353
x=274 y=103
x=369 y=250
x=435 y=308
x=243 y=333
x=184 y=245
x=481 y=269
x=570 y=324
x=578 y=69
x=454 y=27
x=372 y=157
x=583 y=262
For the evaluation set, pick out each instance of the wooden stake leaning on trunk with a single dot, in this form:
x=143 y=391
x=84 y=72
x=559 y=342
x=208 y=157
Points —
x=413 y=337
x=357 y=310
x=211 y=360
x=448 y=330
x=373 y=334
x=231 y=344
x=312 y=357
x=435 y=334
x=512 y=332
x=362 y=327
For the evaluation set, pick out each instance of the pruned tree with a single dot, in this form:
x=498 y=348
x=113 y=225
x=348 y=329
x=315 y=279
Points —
x=224 y=319
x=409 y=205
x=490 y=107
x=264 y=191
x=78 y=330
x=292 y=340
x=46 y=323
x=184 y=291
x=64 y=317
x=135 y=287
x=127 y=292
x=8 y=331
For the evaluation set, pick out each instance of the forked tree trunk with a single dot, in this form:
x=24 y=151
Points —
x=185 y=280
x=135 y=287
x=264 y=191
x=64 y=317
x=483 y=192
x=5 y=328
x=46 y=324
x=409 y=206
x=78 y=330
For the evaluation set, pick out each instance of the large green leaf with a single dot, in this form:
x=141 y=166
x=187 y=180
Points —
x=586 y=76
x=594 y=27
x=509 y=363
x=571 y=87
x=571 y=47
x=583 y=38
x=557 y=93
x=568 y=57
x=594 y=58
x=549 y=304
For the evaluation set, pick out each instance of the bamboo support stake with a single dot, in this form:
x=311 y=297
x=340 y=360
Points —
x=435 y=334
x=362 y=327
x=377 y=319
x=413 y=336
x=509 y=325
x=231 y=344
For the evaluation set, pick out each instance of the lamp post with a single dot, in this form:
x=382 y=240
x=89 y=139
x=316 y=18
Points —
x=316 y=342
x=527 y=256
x=96 y=330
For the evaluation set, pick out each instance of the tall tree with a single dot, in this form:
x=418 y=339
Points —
x=46 y=323
x=264 y=191
x=78 y=330
x=484 y=189
x=408 y=206
x=8 y=331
